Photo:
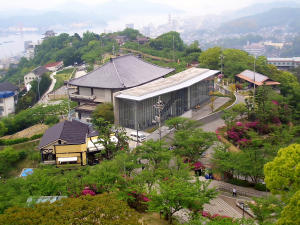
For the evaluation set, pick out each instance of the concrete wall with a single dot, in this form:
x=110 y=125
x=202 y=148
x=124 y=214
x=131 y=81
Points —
x=29 y=77
x=103 y=95
x=8 y=105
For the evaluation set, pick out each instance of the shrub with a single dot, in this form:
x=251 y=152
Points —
x=260 y=187
x=51 y=120
x=239 y=182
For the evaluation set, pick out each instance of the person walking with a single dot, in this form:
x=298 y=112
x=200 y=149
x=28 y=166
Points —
x=233 y=192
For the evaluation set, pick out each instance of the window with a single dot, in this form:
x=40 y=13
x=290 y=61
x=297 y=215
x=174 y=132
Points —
x=1 y=100
x=92 y=91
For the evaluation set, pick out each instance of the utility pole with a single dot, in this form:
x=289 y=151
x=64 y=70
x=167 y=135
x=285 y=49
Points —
x=221 y=58
x=137 y=134
x=39 y=79
x=173 y=50
x=69 y=116
x=254 y=77
x=159 y=106
x=113 y=49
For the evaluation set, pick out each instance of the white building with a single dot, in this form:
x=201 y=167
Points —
x=285 y=63
x=54 y=66
x=8 y=98
x=34 y=74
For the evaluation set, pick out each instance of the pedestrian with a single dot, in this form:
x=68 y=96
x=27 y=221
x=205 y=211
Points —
x=233 y=192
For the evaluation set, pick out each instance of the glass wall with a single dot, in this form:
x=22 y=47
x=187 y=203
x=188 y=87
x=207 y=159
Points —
x=176 y=103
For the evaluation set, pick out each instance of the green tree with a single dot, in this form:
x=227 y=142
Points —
x=111 y=146
x=210 y=58
x=192 y=143
x=267 y=209
x=104 y=111
x=100 y=209
x=181 y=123
x=290 y=214
x=282 y=175
x=175 y=194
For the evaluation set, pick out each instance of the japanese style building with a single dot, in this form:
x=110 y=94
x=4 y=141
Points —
x=118 y=74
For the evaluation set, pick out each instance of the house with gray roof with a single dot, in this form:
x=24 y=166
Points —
x=117 y=74
x=66 y=142
x=33 y=75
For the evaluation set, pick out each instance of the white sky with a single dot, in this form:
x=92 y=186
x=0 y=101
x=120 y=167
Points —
x=188 y=6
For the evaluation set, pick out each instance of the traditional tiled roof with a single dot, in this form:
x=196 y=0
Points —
x=122 y=72
x=72 y=132
x=6 y=86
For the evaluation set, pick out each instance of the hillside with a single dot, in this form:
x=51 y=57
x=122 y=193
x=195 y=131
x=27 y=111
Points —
x=277 y=17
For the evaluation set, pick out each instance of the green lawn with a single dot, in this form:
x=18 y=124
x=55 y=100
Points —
x=62 y=76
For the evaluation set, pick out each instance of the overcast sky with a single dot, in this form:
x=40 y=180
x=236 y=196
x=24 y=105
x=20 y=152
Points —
x=188 y=6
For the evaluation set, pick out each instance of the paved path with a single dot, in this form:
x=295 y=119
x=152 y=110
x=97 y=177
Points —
x=242 y=191
x=44 y=99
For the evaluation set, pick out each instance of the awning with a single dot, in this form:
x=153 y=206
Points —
x=67 y=159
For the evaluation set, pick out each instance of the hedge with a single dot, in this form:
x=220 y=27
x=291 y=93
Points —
x=19 y=140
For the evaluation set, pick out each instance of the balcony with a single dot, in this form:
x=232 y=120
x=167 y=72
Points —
x=76 y=97
x=85 y=108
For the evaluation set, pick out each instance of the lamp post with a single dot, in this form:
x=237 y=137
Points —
x=159 y=105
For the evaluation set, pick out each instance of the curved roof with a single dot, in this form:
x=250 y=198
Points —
x=122 y=72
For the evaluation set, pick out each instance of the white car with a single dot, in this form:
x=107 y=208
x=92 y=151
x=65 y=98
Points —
x=139 y=138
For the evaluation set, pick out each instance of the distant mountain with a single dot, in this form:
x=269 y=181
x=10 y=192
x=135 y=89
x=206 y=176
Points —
x=70 y=13
x=276 y=17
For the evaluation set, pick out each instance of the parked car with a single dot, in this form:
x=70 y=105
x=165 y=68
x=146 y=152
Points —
x=139 y=138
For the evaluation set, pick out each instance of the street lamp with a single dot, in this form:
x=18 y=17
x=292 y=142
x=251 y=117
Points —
x=159 y=105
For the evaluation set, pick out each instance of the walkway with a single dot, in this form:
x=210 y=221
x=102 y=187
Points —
x=242 y=191
x=44 y=99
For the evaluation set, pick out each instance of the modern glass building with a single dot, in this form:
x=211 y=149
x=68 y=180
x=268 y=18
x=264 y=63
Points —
x=134 y=108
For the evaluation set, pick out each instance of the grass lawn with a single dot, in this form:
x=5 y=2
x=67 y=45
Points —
x=62 y=76
x=32 y=159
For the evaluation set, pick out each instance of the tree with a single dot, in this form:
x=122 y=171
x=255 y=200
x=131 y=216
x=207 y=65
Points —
x=154 y=151
x=282 y=175
x=267 y=209
x=100 y=209
x=290 y=213
x=175 y=194
x=181 y=123
x=168 y=41
x=192 y=143
x=105 y=130
x=229 y=117
x=210 y=58
x=3 y=129
x=104 y=111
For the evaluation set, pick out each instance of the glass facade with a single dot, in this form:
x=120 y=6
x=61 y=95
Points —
x=176 y=103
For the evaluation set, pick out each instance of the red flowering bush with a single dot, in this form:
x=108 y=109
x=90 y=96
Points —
x=138 y=201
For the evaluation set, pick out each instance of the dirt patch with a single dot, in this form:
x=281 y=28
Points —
x=28 y=132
